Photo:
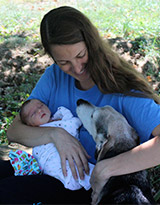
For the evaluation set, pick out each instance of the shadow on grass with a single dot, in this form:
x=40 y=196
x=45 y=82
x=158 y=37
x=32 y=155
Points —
x=21 y=65
x=18 y=56
x=135 y=52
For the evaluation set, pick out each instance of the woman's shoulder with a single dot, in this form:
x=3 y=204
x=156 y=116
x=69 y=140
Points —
x=139 y=105
x=139 y=101
x=141 y=113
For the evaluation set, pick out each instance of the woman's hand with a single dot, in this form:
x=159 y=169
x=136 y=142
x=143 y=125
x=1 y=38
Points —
x=98 y=179
x=139 y=158
x=70 y=149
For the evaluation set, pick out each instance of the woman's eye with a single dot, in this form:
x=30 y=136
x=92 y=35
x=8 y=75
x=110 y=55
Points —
x=63 y=63
x=82 y=55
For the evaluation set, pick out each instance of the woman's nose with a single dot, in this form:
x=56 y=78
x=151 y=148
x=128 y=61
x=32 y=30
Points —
x=77 y=67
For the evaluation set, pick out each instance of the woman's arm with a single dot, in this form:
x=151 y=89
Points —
x=68 y=146
x=139 y=158
x=27 y=135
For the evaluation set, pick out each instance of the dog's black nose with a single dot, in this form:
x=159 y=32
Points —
x=80 y=102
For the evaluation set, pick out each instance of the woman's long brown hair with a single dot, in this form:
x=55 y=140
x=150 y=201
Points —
x=110 y=72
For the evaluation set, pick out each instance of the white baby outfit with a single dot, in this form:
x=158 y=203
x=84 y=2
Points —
x=48 y=157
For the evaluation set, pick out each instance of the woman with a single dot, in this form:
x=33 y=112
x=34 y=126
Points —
x=85 y=67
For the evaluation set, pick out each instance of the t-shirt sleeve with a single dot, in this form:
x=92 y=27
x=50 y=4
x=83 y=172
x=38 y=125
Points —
x=143 y=115
x=44 y=86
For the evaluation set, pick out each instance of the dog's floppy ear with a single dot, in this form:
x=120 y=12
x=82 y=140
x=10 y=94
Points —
x=107 y=145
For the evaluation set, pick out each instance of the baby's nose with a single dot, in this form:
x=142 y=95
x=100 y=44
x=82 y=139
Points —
x=39 y=110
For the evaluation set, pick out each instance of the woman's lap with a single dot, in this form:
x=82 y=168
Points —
x=37 y=188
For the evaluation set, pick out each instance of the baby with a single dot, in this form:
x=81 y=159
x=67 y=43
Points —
x=36 y=113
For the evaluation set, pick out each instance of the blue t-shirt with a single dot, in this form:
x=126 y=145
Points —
x=56 y=88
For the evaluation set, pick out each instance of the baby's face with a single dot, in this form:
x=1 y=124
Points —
x=37 y=112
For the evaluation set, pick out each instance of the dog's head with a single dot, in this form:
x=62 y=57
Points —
x=107 y=126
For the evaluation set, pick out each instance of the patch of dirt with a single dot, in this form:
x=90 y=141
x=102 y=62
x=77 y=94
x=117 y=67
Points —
x=20 y=69
x=14 y=62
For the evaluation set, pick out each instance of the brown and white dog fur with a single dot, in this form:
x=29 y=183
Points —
x=113 y=135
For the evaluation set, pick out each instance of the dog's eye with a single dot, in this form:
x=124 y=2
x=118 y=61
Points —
x=92 y=115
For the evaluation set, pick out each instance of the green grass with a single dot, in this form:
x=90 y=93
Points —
x=124 y=18
x=127 y=19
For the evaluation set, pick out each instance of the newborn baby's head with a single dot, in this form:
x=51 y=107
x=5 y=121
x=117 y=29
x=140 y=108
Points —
x=34 y=113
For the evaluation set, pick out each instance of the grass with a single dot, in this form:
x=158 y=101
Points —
x=136 y=21
x=125 y=18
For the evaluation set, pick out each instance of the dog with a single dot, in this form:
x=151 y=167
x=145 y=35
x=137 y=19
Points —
x=113 y=135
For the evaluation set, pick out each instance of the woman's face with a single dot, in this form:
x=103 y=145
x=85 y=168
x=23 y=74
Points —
x=72 y=59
